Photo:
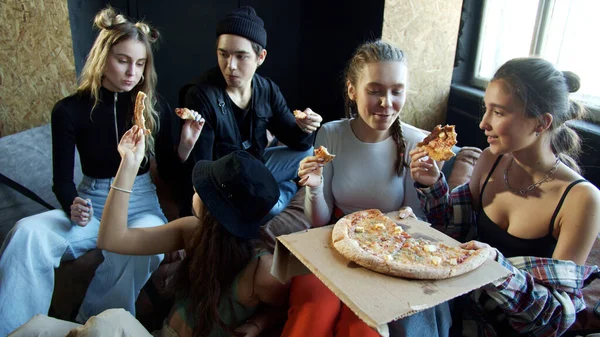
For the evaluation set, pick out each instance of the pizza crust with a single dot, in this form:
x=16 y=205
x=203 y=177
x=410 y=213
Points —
x=350 y=248
x=321 y=152
x=138 y=112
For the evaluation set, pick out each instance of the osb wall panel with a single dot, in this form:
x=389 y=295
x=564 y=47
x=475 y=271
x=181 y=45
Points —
x=36 y=61
x=426 y=30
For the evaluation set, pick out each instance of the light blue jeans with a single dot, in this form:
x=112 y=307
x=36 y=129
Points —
x=37 y=244
x=283 y=163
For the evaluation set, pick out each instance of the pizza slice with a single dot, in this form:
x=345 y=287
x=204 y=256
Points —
x=321 y=152
x=439 y=143
x=299 y=114
x=185 y=113
x=138 y=112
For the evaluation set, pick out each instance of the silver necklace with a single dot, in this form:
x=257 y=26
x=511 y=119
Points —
x=546 y=177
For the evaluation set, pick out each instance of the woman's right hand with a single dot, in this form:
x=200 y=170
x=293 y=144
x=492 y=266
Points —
x=81 y=211
x=424 y=171
x=310 y=171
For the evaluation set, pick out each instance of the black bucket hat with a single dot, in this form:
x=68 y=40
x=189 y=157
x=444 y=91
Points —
x=238 y=191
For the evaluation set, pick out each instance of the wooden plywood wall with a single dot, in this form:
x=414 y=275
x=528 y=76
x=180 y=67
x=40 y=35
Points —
x=36 y=61
x=426 y=30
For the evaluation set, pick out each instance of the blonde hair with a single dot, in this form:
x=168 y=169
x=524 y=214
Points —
x=115 y=28
x=372 y=52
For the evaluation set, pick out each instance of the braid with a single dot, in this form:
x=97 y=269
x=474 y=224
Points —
x=396 y=131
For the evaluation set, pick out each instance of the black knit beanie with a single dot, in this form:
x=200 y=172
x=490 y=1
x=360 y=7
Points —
x=245 y=23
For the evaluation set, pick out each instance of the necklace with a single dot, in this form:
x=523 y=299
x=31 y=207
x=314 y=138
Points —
x=532 y=186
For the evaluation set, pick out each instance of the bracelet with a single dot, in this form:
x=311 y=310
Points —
x=120 y=189
x=256 y=325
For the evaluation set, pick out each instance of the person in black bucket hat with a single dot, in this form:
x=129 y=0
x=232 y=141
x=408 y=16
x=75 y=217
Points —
x=224 y=277
x=237 y=106
x=238 y=191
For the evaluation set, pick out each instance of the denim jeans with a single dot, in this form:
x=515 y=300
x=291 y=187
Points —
x=434 y=321
x=283 y=163
x=37 y=244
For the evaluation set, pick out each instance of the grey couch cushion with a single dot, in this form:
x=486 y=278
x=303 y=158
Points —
x=27 y=159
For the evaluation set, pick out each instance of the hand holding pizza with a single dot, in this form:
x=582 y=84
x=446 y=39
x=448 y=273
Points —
x=310 y=171
x=133 y=145
x=423 y=170
x=308 y=120
x=81 y=211
x=192 y=127
x=476 y=245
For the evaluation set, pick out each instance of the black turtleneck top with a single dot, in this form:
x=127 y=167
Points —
x=96 y=133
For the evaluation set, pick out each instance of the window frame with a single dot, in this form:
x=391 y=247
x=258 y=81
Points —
x=539 y=35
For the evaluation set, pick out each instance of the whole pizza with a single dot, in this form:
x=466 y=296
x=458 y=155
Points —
x=374 y=241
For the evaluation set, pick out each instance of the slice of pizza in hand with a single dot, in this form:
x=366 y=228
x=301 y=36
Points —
x=138 y=112
x=439 y=143
x=374 y=241
x=299 y=114
x=185 y=113
x=321 y=152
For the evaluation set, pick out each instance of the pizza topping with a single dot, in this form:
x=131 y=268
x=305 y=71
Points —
x=379 y=226
x=436 y=260
x=398 y=229
x=429 y=248
x=359 y=229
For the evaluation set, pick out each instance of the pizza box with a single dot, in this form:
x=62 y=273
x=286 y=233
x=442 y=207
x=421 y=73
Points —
x=376 y=298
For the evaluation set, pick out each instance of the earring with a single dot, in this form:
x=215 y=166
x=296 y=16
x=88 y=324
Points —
x=141 y=80
x=537 y=133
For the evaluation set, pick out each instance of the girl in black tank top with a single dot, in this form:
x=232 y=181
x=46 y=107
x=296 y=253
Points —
x=510 y=245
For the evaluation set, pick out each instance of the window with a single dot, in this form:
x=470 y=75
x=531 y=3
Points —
x=563 y=32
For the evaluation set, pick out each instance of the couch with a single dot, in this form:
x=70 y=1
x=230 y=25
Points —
x=27 y=160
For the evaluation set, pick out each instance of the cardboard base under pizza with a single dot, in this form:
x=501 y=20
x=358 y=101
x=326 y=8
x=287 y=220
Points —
x=376 y=298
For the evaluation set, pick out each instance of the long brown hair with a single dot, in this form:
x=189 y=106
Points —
x=115 y=28
x=213 y=259
x=544 y=89
x=371 y=52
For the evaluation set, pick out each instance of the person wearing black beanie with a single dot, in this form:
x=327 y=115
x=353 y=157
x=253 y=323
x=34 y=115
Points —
x=238 y=108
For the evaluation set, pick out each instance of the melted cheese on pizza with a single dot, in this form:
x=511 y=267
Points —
x=383 y=238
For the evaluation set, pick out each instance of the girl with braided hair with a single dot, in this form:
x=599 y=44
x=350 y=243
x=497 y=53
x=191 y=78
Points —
x=370 y=170
x=93 y=120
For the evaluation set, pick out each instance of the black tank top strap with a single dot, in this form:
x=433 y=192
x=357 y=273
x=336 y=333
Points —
x=562 y=199
x=488 y=178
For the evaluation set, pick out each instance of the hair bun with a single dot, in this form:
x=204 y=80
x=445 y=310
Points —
x=107 y=18
x=572 y=81
x=151 y=33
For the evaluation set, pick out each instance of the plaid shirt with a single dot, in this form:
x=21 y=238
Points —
x=540 y=298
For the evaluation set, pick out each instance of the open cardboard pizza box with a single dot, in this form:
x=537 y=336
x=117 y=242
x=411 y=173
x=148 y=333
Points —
x=376 y=298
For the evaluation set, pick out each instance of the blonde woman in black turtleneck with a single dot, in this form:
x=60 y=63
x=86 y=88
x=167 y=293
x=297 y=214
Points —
x=93 y=120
